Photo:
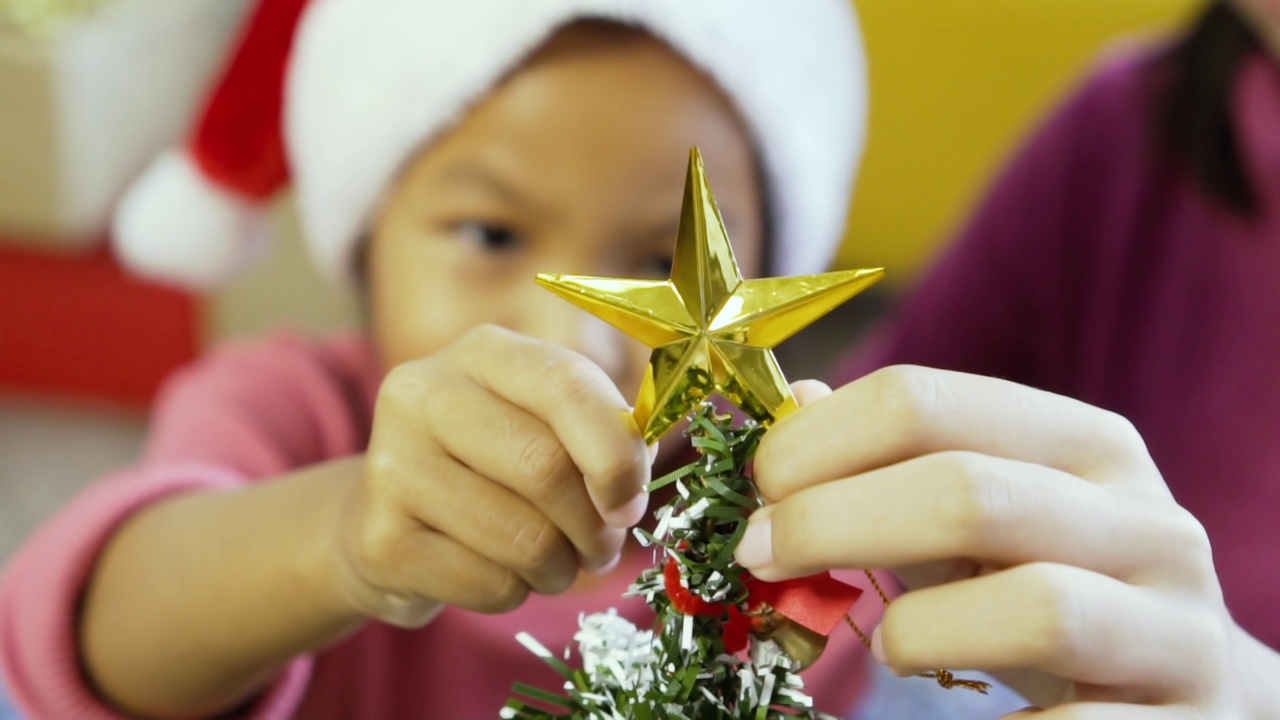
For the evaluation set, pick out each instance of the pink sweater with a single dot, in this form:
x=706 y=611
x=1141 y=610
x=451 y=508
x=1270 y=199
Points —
x=246 y=414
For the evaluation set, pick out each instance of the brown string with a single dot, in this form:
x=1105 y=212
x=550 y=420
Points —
x=876 y=584
x=944 y=677
x=865 y=640
x=948 y=681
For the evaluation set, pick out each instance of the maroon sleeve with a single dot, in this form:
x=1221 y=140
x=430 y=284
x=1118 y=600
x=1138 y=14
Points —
x=997 y=301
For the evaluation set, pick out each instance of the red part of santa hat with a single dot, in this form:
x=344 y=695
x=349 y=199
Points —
x=239 y=141
x=194 y=214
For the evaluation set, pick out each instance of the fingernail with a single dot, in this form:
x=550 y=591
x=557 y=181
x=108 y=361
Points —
x=756 y=548
x=629 y=514
x=653 y=453
x=608 y=567
x=877 y=647
x=807 y=391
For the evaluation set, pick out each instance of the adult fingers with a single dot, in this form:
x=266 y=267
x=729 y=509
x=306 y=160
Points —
x=579 y=402
x=1104 y=711
x=986 y=509
x=1055 y=618
x=537 y=467
x=904 y=411
x=809 y=391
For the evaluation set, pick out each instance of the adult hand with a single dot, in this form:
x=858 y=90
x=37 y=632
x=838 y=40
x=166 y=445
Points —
x=1037 y=537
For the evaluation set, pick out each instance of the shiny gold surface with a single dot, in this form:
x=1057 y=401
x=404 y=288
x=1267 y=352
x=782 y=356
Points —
x=710 y=330
x=801 y=644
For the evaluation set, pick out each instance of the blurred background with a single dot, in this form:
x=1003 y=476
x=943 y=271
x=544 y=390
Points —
x=90 y=89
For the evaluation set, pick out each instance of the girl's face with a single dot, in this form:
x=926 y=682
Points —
x=575 y=164
x=1264 y=15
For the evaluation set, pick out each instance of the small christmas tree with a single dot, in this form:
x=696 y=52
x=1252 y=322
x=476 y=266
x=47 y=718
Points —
x=692 y=666
x=725 y=645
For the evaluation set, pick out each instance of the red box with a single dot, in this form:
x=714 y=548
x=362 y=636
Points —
x=76 y=326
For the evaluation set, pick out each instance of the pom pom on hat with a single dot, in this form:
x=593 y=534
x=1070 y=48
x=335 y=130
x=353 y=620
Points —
x=177 y=226
x=196 y=214
x=372 y=82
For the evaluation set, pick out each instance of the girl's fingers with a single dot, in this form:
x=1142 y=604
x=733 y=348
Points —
x=902 y=412
x=533 y=465
x=499 y=525
x=985 y=509
x=1054 y=618
x=579 y=402
x=426 y=567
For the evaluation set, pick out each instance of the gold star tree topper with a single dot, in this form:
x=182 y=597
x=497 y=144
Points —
x=711 y=331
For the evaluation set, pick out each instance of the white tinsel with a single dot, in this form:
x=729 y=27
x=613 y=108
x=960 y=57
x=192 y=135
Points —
x=624 y=665
x=767 y=654
x=533 y=645
x=615 y=653
x=664 y=521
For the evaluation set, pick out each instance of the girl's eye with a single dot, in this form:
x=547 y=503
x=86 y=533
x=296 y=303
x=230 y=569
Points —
x=489 y=237
x=658 y=267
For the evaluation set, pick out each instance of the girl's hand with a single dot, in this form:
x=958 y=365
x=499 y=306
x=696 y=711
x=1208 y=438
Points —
x=498 y=466
x=1036 y=533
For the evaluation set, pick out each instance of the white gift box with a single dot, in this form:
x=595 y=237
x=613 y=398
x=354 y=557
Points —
x=84 y=106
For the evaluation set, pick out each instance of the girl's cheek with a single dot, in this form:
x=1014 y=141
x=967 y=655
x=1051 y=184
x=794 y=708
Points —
x=638 y=363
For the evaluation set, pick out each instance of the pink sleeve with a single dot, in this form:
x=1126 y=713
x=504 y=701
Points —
x=263 y=409
x=242 y=415
x=41 y=588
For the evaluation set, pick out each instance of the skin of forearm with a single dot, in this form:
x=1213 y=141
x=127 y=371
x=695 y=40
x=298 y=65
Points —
x=198 y=601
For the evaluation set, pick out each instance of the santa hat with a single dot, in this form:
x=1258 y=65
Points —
x=337 y=95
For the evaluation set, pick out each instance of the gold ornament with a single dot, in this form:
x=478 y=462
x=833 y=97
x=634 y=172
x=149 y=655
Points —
x=802 y=645
x=710 y=330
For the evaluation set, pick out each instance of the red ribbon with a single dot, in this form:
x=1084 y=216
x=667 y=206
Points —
x=817 y=602
x=682 y=598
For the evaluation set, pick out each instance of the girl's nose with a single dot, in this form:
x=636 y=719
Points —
x=550 y=318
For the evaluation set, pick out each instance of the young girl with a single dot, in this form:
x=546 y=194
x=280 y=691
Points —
x=359 y=527
x=1127 y=258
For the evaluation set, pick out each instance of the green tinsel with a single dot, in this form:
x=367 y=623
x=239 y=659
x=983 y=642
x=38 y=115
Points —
x=680 y=670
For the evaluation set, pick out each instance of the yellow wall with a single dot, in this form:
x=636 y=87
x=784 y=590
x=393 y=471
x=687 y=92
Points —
x=954 y=86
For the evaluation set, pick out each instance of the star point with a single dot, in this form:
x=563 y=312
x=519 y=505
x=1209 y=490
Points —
x=711 y=331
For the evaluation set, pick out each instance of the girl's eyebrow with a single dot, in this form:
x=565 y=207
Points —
x=667 y=230
x=482 y=177
x=671 y=227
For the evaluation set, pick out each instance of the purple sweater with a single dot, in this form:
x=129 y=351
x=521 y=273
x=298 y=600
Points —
x=1094 y=271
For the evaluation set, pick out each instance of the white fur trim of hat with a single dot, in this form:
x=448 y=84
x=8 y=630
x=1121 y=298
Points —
x=371 y=82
